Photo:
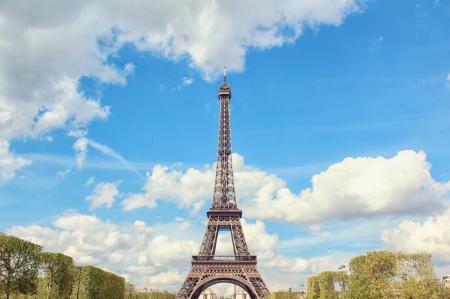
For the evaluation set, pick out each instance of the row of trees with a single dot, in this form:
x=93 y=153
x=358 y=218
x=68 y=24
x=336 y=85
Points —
x=285 y=295
x=132 y=293
x=380 y=275
x=26 y=270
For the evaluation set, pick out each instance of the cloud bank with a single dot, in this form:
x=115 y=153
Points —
x=9 y=163
x=104 y=194
x=145 y=256
x=431 y=235
x=352 y=188
x=133 y=250
x=48 y=46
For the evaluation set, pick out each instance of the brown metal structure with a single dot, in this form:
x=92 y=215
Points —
x=208 y=268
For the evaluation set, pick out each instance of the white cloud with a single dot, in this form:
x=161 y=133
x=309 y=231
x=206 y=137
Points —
x=151 y=259
x=182 y=223
x=81 y=150
x=214 y=34
x=282 y=271
x=264 y=245
x=63 y=173
x=167 y=279
x=431 y=236
x=185 y=81
x=352 y=188
x=9 y=163
x=134 y=250
x=90 y=181
x=163 y=250
x=186 y=189
x=259 y=241
x=82 y=145
x=376 y=43
x=356 y=187
x=40 y=75
x=104 y=194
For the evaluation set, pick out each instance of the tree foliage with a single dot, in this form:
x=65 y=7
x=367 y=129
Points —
x=381 y=275
x=372 y=274
x=323 y=286
x=19 y=265
x=423 y=289
x=59 y=270
x=97 y=283
x=313 y=288
x=341 y=278
x=26 y=270
x=327 y=280
x=415 y=266
x=279 y=295
x=416 y=278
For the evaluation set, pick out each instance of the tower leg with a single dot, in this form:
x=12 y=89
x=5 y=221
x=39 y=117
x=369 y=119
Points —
x=210 y=240
x=240 y=246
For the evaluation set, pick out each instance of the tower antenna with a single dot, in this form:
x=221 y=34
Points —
x=225 y=74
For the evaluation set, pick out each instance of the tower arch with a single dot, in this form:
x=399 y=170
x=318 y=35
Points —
x=241 y=283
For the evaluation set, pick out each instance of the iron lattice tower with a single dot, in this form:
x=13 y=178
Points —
x=207 y=268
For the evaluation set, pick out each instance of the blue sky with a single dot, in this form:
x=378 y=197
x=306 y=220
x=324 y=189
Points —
x=327 y=95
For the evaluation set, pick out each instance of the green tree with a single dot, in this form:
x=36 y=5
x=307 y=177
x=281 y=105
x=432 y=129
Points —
x=326 y=281
x=273 y=295
x=323 y=286
x=382 y=274
x=342 y=280
x=313 y=291
x=59 y=270
x=98 y=283
x=416 y=278
x=19 y=265
x=358 y=289
x=371 y=275
x=422 y=289
x=129 y=289
x=77 y=287
x=415 y=266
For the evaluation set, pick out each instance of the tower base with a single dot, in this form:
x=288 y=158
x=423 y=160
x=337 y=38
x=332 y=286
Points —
x=209 y=270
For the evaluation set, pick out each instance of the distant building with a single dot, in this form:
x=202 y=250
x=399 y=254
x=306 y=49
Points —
x=151 y=290
x=242 y=295
x=446 y=280
x=287 y=295
x=208 y=294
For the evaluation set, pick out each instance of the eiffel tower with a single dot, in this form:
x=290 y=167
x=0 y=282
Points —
x=207 y=268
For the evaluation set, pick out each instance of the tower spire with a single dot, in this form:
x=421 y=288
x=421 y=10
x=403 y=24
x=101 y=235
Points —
x=225 y=75
x=224 y=194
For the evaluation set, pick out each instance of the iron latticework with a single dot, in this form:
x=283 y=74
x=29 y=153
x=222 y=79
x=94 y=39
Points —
x=208 y=268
